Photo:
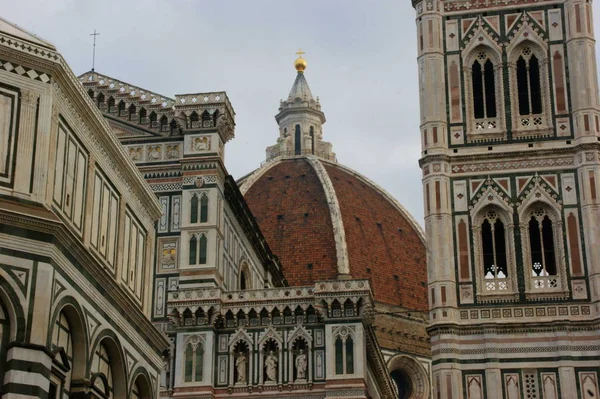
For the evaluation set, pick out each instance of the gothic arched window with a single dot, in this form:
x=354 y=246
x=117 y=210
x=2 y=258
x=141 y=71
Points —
x=339 y=356
x=121 y=108
x=100 y=99
x=202 y=249
x=101 y=364
x=243 y=280
x=111 y=105
x=494 y=248
x=297 y=141
x=135 y=392
x=189 y=363
x=528 y=83
x=312 y=140
x=484 y=87
x=542 y=238
x=164 y=123
x=194 y=209
x=541 y=245
x=204 y=209
x=131 y=112
x=192 y=252
x=194 y=120
x=349 y=356
x=62 y=338
x=344 y=351
x=193 y=360
x=143 y=115
x=493 y=245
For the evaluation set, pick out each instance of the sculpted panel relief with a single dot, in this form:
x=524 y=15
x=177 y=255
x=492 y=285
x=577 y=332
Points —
x=201 y=144
x=167 y=254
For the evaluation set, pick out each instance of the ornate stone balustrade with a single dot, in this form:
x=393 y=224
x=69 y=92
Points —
x=324 y=293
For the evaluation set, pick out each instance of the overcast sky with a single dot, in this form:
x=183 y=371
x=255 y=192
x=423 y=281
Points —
x=361 y=63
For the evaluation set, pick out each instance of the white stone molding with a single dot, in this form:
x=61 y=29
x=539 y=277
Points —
x=529 y=125
x=335 y=212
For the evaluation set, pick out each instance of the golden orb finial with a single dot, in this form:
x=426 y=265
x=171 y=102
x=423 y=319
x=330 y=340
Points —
x=300 y=63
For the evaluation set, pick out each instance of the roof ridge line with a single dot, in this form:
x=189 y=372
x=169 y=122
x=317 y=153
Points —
x=335 y=212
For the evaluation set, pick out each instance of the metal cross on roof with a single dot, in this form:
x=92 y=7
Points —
x=94 y=53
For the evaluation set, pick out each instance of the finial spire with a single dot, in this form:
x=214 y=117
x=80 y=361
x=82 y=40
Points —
x=300 y=63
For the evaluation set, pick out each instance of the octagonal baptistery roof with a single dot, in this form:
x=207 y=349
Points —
x=325 y=221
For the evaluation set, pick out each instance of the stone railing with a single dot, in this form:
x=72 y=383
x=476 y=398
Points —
x=321 y=289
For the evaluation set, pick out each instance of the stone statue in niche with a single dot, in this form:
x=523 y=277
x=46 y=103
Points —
x=271 y=367
x=241 y=364
x=154 y=153
x=301 y=365
x=201 y=144
x=173 y=152
x=135 y=153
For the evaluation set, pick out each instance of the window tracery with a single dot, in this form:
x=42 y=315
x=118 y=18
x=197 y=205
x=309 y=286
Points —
x=197 y=249
x=484 y=88
x=193 y=359
x=484 y=94
x=199 y=208
x=542 y=243
x=493 y=243
x=530 y=89
x=344 y=350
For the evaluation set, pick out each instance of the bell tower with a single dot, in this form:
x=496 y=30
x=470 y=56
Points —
x=300 y=121
x=510 y=133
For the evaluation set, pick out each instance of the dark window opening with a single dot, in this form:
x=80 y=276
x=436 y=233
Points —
x=534 y=81
x=541 y=242
x=477 y=91
x=243 y=281
x=349 y=356
x=194 y=210
x=204 y=209
x=404 y=384
x=490 y=90
x=297 y=140
x=548 y=239
x=523 y=86
x=193 y=249
x=203 y=250
x=312 y=140
x=339 y=356
x=528 y=84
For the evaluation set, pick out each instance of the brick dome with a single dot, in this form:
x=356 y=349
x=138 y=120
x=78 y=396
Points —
x=324 y=220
